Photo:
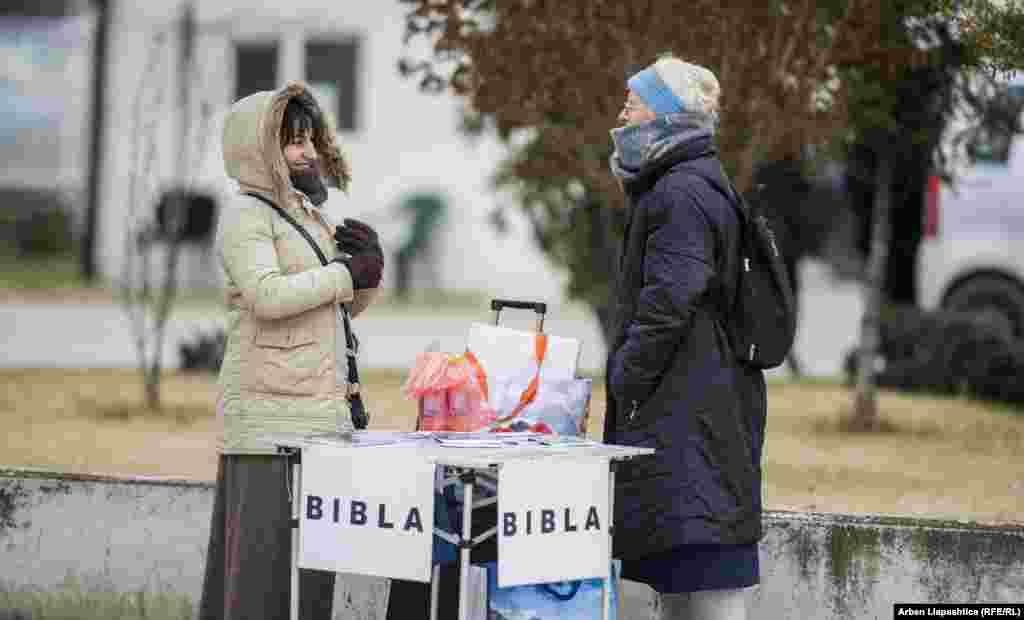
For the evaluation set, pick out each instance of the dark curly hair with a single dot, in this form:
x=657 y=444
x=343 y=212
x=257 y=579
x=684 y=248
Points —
x=302 y=114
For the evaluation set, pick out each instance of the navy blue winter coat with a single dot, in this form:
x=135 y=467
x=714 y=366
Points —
x=673 y=382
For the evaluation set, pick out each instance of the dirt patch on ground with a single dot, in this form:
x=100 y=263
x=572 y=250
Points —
x=65 y=295
x=945 y=458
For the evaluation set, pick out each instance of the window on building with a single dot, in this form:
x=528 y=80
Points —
x=255 y=67
x=332 y=73
x=42 y=8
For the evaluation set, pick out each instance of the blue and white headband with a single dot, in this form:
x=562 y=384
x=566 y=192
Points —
x=649 y=86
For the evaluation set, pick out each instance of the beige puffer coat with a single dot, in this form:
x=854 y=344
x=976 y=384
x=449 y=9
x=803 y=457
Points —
x=279 y=369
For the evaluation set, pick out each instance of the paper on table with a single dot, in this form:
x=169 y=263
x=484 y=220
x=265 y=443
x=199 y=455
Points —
x=501 y=440
x=473 y=443
x=485 y=435
x=365 y=438
x=566 y=441
x=484 y=439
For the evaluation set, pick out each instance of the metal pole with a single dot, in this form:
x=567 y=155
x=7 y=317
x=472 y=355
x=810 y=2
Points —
x=435 y=582
x=606 y=599
x=297 y=516
x=467 y=536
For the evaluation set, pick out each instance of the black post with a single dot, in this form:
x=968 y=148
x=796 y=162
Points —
x=104 y=10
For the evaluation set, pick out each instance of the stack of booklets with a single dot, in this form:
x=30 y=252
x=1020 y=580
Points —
x=566 y=441
x=448 y=439
x=366 y=438
x=505 y=440
x=482 y=439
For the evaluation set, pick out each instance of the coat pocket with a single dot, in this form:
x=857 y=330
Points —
x=643 y=468
x=648 y=466
x=277 y=337
x=284 y=358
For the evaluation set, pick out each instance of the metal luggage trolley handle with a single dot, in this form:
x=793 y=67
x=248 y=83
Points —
x=539 y=307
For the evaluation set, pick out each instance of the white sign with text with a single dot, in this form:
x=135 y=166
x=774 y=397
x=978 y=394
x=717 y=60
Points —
x=553 y=521
x=367 y=511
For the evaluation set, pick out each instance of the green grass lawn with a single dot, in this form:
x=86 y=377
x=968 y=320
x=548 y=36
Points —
x=39 y=272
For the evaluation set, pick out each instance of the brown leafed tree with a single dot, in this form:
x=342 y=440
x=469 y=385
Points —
x=550 y=77
x=561 y=67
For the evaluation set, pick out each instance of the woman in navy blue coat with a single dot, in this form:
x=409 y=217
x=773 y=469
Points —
x=687 y=519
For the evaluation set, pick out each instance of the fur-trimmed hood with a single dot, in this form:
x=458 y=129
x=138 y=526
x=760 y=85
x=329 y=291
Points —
x=252 y=146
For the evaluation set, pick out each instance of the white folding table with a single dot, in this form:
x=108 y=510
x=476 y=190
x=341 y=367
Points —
x=468 y=466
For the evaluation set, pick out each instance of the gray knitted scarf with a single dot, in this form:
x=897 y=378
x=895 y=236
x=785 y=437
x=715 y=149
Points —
x=644 y=145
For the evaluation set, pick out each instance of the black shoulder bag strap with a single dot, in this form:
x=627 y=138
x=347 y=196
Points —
x=360 y=416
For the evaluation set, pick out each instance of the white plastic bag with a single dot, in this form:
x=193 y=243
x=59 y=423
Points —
x=503 y=350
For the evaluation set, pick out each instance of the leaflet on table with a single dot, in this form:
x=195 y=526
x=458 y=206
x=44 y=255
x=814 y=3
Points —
x=366 y=438
x=485 y=435
x=501 y=440
x=493 y=441
x=453 y=439
x=566 y=441
x=444 y=438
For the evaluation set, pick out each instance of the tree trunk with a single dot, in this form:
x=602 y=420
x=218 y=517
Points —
x=604 y=319
x=906 y=223
x=151 y=380
x=178 y=213
x=744 y=175
x=865 y=410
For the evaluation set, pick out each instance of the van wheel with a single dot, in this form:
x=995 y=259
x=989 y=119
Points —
x=999 y=299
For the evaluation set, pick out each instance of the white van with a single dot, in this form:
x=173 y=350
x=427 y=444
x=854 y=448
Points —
x=972 y=253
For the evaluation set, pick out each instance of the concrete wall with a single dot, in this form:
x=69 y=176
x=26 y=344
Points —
x=95 y=547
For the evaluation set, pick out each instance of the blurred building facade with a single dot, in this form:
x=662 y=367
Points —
x=46 y=50
x=157 y=107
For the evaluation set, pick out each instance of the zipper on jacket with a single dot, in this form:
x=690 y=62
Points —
x=632 y=411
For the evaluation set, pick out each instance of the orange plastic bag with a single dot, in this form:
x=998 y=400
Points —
x=434 y=372
x=451 y=393
x=468 y=407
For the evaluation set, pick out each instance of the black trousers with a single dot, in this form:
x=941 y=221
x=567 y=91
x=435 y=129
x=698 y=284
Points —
x=248 y=561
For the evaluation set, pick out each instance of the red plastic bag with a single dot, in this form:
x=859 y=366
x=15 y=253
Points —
x=468 y=408
x=434 y=372
x=451 y=393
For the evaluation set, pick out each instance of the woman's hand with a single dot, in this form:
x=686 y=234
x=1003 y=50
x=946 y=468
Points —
x=365 y=259
x=355 y=237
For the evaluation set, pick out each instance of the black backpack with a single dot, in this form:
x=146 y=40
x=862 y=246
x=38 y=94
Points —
x=761 y=324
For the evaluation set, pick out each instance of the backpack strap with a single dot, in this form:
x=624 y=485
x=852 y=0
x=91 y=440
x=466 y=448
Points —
x=720 y=292
x=360 y=417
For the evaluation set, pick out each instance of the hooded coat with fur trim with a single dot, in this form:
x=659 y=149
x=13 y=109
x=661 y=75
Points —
x=281 y=369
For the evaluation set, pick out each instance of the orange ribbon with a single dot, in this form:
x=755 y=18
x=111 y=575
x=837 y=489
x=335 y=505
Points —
x=481 y=376
x=530 y=393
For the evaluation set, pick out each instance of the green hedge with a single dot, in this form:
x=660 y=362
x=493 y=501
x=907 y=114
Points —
x=947 y=353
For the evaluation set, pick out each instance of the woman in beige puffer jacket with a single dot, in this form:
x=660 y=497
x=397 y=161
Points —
x=281 y=369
